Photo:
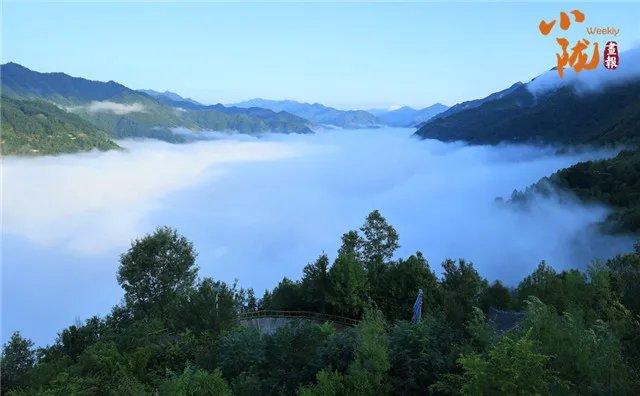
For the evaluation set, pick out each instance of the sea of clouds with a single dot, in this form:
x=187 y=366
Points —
x=259 y=209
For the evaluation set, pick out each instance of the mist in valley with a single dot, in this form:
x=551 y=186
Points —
x=259 y=209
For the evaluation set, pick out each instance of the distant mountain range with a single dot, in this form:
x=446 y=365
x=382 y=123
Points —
x=317 y=113
x=407 y=116
x=278 y=121
x=591 y=107
x=112 y=110
x=167 y=94
x=124 y=112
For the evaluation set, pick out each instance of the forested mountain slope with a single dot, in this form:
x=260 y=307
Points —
x=614 y=181
x=35 y=127
x=124 y=112
x=562 y=116
x=595 y=107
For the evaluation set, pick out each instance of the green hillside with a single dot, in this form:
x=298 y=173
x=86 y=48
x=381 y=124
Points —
x=34 y=127
x=124 y=112
x=564 y=116
x=614 y=181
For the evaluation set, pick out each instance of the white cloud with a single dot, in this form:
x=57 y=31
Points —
x=110 y=107
x=590 y=80
x=116 y=108
x=100 y=201
x=96 y=201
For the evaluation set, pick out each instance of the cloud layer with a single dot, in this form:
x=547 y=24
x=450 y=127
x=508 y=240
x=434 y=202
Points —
x=98 y=201
x=590 y=80
x=111 y=107
x=260 y=209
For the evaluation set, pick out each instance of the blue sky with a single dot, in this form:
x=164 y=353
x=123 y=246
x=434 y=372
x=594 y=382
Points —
x=346 y=55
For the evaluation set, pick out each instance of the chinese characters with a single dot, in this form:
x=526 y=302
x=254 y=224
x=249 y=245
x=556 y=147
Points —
x=611 y=57
x=577 y=58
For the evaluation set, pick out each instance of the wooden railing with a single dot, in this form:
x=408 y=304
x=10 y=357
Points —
x=315 y=316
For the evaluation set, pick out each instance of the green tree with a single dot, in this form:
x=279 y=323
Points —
x=348 y=286
x=351 y=244
x=399 y=286
x=625 y=270
x=368 y=374
x=587 y=358
x=211 y=306
x=157 y=271
x=102 y=369
x=374 y=249
x=338 y=351
x=462 y=288
x=290 y=355
x=512 y=367
x=73 y=340
x=420 y=353
x=240 y=350
x=17 y=360
x=542 y=283
x=496 y=296
x=251 y=303
x=328 y=383
x=316 y=284
x=247 y=385
x=196 y=382
x=380 y=239
x=286 y=296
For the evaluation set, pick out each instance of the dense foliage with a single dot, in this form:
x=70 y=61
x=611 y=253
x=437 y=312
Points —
x=175 y=333
x=614 y=181
x=566 y=116
x=33 y=127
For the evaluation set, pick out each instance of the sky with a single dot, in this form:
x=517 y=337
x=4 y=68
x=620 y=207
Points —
x=349 y=55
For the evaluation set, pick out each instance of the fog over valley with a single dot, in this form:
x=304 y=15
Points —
x=311 y=198
x=260 y=208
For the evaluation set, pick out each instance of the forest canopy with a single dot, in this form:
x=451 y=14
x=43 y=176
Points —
x=35 y=127
x=177 y=333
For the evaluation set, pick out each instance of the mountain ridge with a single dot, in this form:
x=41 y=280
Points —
x=316 y=112
x=124 y=112
x=36 y=127
x=599 y=107
x=407 y=116
x=561 y=116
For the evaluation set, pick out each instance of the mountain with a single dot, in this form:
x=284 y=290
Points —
x=317 y=113
x=591 y=107
x=35 y=127
x=124 y=112
x=407 y=116
x=169 y=95
x=614 y=182
x=200 y=113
